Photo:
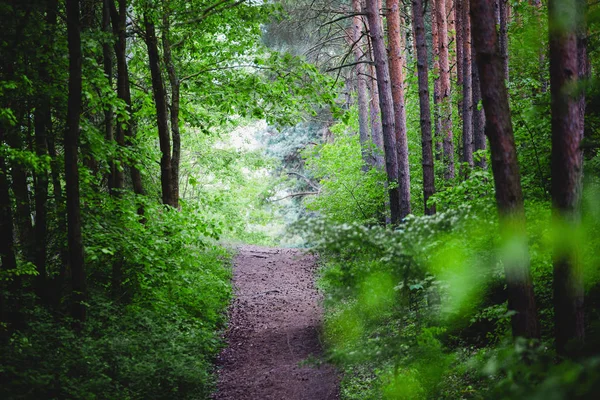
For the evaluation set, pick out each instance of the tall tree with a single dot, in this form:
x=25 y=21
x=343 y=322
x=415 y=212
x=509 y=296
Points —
x=162 y=116
x=418 y=13
x=396 y=64
x=119 y=24
x=43 y=121
x=445 y=100
x=437 y=93
x=566 y=166
x=458 y=8
x=509 y=196
x=107 y=58
x=479 y=140
x=387 y=106
x=71 y=144
x=361 y=80
x=467 y=88
x=375 y=118
x=174 y=104
x=503 y=16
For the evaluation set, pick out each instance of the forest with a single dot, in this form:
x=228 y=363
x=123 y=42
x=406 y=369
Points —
x=438 y=159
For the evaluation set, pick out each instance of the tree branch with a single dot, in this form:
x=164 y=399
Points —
x=350 y=65
x=296 y=195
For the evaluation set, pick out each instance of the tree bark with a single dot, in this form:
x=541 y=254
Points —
x=71 y=144
x=375 y=116
x=162 y=118
x=503 y=9
x=425 y=112
x=396 y=64
x=361 y=83
x=467 y=89
x=437 y=92
x=566 y=167
x=445 y=100
x=43 y=120
x=175 y=98
x=460 y=57
x=387 y=106
x=479 y=140
x=119 y=23
x=509 y=197
x=108 y=113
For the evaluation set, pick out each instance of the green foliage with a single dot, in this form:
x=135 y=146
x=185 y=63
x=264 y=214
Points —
x=157 y=339
x=420 y=312
x=348 y=192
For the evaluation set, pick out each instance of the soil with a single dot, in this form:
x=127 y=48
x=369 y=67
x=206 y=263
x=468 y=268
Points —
x=273 y=339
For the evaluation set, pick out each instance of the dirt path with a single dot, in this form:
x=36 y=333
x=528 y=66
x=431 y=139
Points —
x=274 y=326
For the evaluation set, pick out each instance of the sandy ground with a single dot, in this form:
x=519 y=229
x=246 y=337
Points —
x=274 y=330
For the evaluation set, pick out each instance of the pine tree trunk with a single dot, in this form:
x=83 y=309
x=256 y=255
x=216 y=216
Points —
x=387 y=106
x=162 y=118
x=437 y=92
x=509 y=197
x=479 y=140
x=566 y=166
x=375 y=116
x=467 y=89
x=425 y=112
x=460 y=56
x=396 y=64
x=445 y=100
x=361 y=82
x=71 y=144
x=503 y=10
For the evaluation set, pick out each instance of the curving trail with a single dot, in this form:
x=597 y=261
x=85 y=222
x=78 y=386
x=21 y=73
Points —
x=275 y=322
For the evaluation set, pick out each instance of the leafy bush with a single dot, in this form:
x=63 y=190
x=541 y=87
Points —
x=156 y=339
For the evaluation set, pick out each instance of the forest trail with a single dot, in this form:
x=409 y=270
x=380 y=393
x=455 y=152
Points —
x=274 y=327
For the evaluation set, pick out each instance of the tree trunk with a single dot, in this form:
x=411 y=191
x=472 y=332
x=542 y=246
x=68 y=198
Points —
x=387 y=106
x=58 y=283
x=361 y=82
x=505 y=168
x=119 y=22
x=479 y=140
x=160 y=102
x=583 y=60
x=43 y=121
x=437 y=92
x=175 y=96
x=376 y=128
x=467 y=90
x=108 y=113
x=566 y=166
x=397 y=85
x=423 y=74
x=460 y=57
x=503 y=9
x=445 y=100
x=20 y=190
x=71 y=142
x=7 y=246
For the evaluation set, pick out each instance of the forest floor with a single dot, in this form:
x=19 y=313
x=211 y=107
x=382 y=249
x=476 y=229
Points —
x=273 y=348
